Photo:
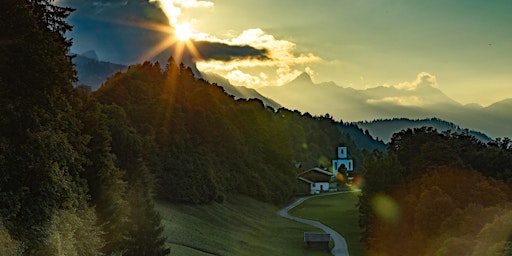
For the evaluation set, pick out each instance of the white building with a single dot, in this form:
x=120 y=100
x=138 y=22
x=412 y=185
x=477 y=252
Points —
x=343 y=163
x=314 y=181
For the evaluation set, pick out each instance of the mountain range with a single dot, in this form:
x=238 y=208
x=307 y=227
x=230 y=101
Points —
x=383 y=102
x=93 y=72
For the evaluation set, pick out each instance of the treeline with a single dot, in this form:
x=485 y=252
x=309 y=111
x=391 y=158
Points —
x=385 y=128
x=62 y=191
x=206 y=144
x=438 y=193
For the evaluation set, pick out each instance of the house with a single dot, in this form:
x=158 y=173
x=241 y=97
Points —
x=313 y=181
x=317 y=240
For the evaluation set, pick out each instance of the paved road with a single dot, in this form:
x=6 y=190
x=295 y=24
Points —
x=340 y=245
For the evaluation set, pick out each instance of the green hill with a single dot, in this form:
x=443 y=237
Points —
x=209 y=145
x=239 y=226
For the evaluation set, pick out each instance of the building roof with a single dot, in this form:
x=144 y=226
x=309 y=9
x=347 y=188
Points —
x=305 y=180
x=315 y=175
x=316 y=169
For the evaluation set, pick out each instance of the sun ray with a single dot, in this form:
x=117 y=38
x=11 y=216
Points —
x=155 y=50
x=193 y=50
x=180 y=37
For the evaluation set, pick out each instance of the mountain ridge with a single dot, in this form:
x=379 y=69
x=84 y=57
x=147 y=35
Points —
x=418 y=101
x=384 y=129
x=93 y=72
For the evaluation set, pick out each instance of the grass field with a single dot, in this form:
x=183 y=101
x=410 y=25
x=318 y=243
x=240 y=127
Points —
x=338 y=212
x=239 y=226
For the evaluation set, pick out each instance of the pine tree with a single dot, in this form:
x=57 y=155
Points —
x=145 y=229
x=106 y=185
x=41 y=145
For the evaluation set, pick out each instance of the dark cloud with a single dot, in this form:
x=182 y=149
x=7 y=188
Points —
x=225 y=52
x=212 y=51
x=116 y=30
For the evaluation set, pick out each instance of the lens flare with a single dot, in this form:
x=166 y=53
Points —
x=386 y=208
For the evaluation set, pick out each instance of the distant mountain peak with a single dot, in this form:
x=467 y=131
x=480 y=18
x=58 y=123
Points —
x=303 y=78
x=91 y=54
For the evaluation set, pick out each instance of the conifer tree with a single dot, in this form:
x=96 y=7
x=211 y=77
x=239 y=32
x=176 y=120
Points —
x=41 y=145
x=105 y=180
x=145 y=228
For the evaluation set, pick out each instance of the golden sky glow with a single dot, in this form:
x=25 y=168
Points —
x=362 y=44
x=465 y=45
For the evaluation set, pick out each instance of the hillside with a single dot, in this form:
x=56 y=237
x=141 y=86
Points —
x=384 y=128
x=239 y=92
x=239 y=226
x=363 y=140
x=197 y=130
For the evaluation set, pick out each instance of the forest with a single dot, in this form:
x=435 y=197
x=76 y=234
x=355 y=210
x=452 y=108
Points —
x=438 y=193
x=80 y=170
x=205 y=144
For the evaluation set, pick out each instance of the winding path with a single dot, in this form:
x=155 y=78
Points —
x=340 y=245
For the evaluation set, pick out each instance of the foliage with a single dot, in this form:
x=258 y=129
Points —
x=8 y=246
x=74 y=233
x=382 y=174
x=421 y=148
x=209 y=144
x=448 y=211
x=145 y=229
x=61 y=192
x=134 y=223
x=41 y=141
x=434 y=184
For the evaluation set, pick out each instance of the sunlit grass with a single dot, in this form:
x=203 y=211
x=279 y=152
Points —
x=239 y=226
x=338 y=212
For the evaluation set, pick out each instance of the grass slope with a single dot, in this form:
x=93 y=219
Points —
x=239 y=226
x=339 y=212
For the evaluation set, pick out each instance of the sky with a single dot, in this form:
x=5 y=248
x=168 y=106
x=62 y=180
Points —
x=465 y=46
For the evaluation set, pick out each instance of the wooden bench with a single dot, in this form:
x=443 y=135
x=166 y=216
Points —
x=317 y=240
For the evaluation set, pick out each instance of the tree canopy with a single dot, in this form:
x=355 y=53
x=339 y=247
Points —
x=211 y=145
x=60 y=190
x=437 y=193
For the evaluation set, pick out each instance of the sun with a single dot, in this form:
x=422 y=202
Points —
x=181 y=39
x=183 y=32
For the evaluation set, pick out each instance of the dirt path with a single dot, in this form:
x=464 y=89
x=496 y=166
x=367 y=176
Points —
x=340 y=245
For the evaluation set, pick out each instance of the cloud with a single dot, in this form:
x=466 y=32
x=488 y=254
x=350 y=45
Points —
x=422 y=78
x=116 y=29
x=225 y=52
x=237 y=76
x=398 y=100
x=420 y=92
x=279 y=63
x=174 y=8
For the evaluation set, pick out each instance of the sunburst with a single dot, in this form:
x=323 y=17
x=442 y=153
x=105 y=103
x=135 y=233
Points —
x=180 y=36
x=183 y=32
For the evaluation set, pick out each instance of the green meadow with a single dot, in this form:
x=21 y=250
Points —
x=239 y=226
x=339 y=212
